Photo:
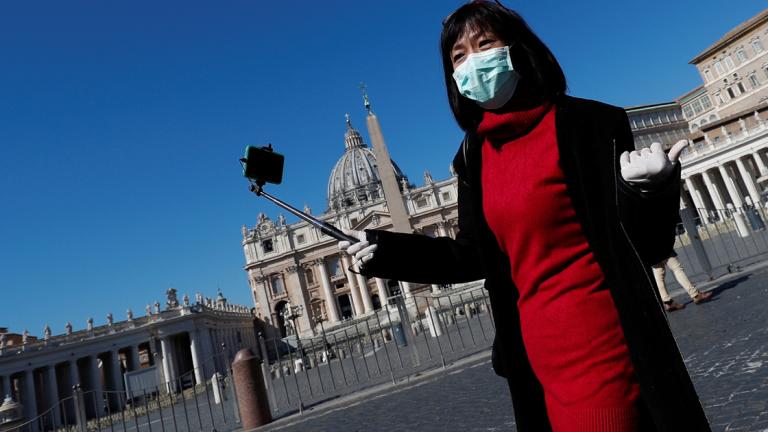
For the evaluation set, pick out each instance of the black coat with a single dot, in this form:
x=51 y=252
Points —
x=627 y=230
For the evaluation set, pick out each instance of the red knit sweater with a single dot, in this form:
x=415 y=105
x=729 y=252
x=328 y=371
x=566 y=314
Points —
x=569 y=323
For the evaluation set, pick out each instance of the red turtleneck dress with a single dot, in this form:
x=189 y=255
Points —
x=569 y=323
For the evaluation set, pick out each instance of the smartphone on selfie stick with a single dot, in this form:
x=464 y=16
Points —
x=261 y=165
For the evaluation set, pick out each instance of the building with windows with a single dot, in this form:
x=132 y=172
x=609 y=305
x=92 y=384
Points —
x=724 y=170
x=663 y=123
x=734 y=71
x=296 y=265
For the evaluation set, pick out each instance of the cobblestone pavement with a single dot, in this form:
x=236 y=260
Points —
x=724 y=344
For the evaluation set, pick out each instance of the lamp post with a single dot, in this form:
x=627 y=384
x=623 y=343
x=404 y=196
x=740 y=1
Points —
x=320 y=319
x=290 y=314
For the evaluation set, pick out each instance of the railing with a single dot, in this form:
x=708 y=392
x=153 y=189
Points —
x=403 y=338
x=703 y=148
x=730 y=238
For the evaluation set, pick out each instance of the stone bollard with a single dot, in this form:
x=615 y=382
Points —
x=298 y=365
x=342 y=353
x=311 y=362
x=251 y=392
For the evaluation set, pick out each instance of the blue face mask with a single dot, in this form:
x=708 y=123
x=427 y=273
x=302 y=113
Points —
x=487 y=77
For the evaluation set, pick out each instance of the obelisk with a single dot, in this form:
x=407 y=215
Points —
x=395 y=203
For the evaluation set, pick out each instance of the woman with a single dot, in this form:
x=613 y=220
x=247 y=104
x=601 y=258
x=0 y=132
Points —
x=562 y=219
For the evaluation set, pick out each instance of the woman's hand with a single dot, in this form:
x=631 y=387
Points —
x=362 y=250
x=650 y=167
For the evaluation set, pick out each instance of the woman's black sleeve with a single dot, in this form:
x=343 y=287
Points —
x=430 y=260
x=649 y=217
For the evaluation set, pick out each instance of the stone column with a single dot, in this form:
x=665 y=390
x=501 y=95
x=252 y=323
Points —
x=730 y=185
x=713 y=193
x=406 y=287
x=748 y=181
x=74 y=374
x=299 y=296
x=135 y=361
x=116 y=376
x=261 y=292
x=29 y=399
x=6 y=386
x=95 y=377
x=357 y=302
x=441 y=229
x=169 y=374
x=760 y=164
x=197 y=362
x=738 y=215
x=362 y=283
x=52 y=386
x=696 y=197
x=383 y=292
x=331 y=309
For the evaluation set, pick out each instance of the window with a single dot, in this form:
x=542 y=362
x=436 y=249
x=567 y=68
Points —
x=753 y=81
x=421 y=202
x=705 y=102
x=741 y=55
x=267 y=246
x=697 y=106
x=353 y=221
x=688 y=111
x=301 y=238
x=719 y=68
x=310 y=276
x=730 y=92
x=334 y=267
x=765 y=69
x=708 y=75
x=757 y=46
x=729 y=63
x=276 y=282
x=741 y=87
x=446 y=196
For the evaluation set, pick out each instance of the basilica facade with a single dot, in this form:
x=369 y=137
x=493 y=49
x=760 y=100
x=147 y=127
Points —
x=297 y=266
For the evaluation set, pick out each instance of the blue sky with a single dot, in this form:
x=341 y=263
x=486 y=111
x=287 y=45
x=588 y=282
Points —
x=121 y=123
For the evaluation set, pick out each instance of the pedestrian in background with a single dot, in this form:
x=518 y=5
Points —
x=659 y=272
x=563 y=219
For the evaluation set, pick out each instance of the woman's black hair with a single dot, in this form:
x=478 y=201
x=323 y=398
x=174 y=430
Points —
x=539 y=70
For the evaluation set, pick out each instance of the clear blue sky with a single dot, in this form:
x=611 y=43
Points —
x=121 y=123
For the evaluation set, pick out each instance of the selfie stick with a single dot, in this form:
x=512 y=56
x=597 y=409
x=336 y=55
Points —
x=323 y=226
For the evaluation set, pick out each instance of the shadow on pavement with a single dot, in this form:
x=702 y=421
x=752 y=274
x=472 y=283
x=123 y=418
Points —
x=728 y=285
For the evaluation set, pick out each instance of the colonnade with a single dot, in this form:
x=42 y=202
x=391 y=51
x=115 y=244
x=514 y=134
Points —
x=100 y=373
x=726 y=185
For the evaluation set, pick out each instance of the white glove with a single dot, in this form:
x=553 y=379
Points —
x=362 y=250
x=650 y=166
